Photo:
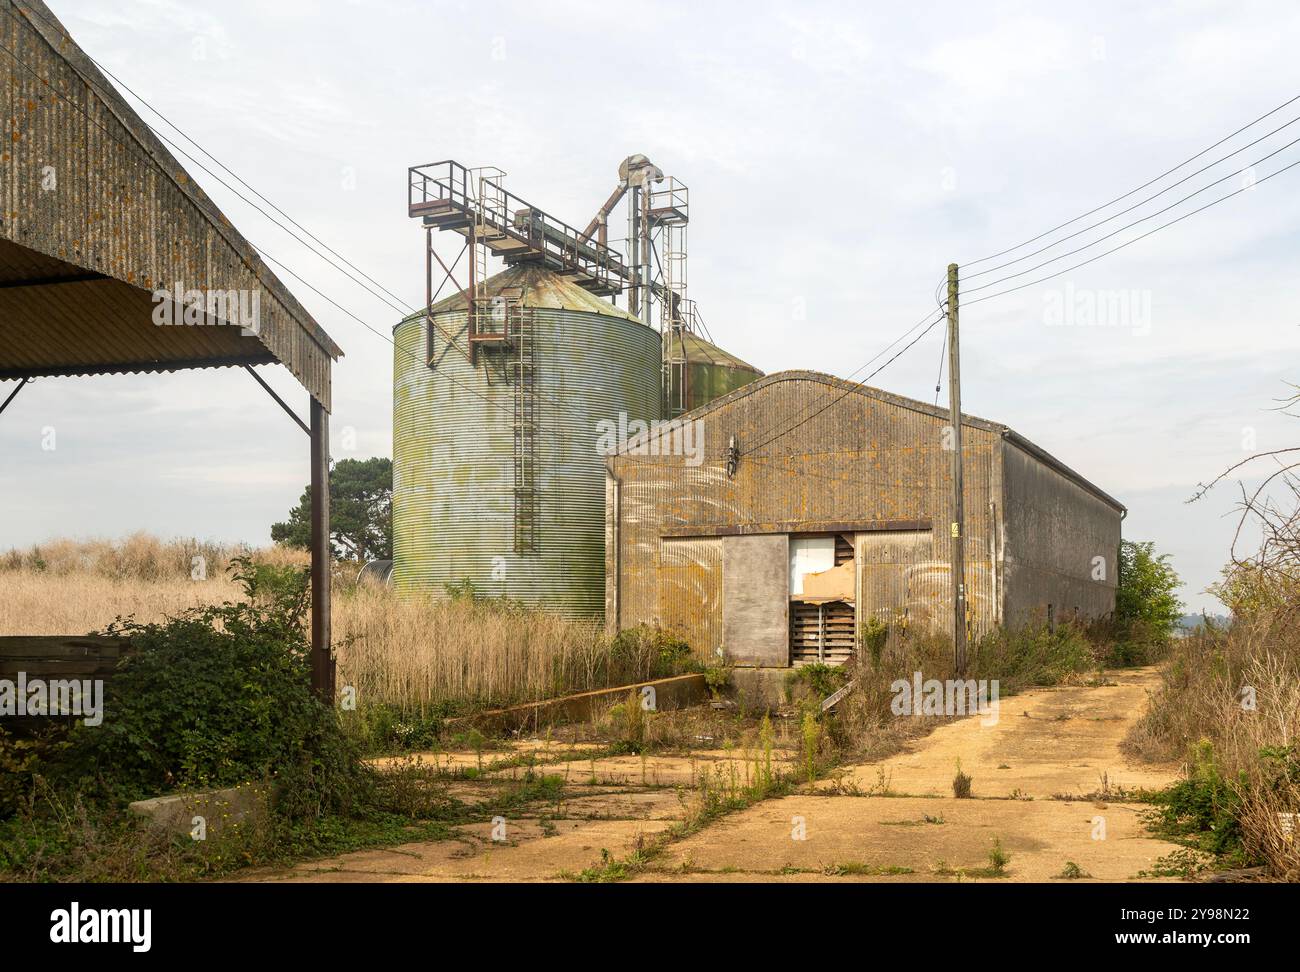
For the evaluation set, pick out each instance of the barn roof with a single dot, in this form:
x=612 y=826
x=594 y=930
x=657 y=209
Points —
x=866 y=391
x=96 y=215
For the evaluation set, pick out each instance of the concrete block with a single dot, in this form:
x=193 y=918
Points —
x=244 y=804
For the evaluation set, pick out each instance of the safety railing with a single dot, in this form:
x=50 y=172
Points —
x=448 y=186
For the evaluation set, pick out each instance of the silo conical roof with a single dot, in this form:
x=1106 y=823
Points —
x=700 y=351
x=540 y=288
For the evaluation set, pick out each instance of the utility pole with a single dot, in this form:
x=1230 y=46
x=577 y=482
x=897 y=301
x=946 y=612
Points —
x=957 y=529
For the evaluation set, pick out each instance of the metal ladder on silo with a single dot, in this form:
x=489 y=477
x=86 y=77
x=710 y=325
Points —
x=524 y=374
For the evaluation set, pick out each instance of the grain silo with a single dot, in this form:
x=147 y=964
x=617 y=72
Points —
x=712 y=372
x=498 y=477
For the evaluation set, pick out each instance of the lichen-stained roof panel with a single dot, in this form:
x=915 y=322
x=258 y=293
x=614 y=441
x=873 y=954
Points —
x=96 y=214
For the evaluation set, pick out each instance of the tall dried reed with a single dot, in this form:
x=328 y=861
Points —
x=409 y=654
x=419 y=652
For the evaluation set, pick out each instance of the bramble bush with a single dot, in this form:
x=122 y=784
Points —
x=219 y=696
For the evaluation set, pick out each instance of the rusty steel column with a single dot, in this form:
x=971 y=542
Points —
x=471 y=295
x=322 y=663
x=428 y=296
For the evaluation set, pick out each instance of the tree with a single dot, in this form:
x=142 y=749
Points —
x=1147 y=588
x=361 y=511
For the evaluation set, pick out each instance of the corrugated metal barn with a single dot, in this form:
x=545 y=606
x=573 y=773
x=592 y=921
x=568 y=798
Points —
x=835 y=510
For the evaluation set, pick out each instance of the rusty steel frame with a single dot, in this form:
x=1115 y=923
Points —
x=14 y=394
x=322 y=661
x=278 y=400
x=430 y=296
x=440 y=194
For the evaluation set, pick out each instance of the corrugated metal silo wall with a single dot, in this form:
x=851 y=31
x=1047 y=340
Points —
x=706 y=381
x=856 y=458
x=453 y=457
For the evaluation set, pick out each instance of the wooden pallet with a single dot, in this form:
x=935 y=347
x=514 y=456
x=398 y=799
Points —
x=821 y=633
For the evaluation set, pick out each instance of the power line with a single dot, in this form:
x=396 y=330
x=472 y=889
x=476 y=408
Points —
x=852 y=386
x=139 y=150
x=943 y=359
x=1143 y=202
x=372 y=330
x=1145 y=185
x=405 y=307
x=1158 y=212
x=122 y=84
x=204 y=168
x=242 y=182
x=400 y=307
x=1136 y=238
x=939 y=302
x=859 y=369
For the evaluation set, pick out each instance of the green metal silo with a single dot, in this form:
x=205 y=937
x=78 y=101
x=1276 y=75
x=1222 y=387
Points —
x=712 y=372
x=498 y=478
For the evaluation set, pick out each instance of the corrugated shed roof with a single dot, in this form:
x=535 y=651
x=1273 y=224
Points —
x=125 y=218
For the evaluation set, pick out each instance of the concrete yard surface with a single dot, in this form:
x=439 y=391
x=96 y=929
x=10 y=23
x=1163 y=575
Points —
x=1051 y=791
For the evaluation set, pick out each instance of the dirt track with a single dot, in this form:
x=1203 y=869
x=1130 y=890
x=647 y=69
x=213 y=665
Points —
x=1048 y=786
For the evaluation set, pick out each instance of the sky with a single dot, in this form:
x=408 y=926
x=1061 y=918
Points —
x=839 y=157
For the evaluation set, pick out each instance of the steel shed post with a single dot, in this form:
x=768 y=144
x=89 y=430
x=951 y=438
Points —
x=322 y=664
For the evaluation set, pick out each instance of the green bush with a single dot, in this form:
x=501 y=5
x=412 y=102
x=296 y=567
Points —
x=461 y=590
x=1123 y=644
x=1037 y=654
x=674 y=656
x=385 y=729
x=648 y=651
x=717 y=678
x=872 y=634
x=21 y=757
x=219 y=696
x=821 y=680
x=1204 y=810
x=1146 y=592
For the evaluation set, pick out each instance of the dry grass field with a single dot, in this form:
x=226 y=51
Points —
x=406 y=653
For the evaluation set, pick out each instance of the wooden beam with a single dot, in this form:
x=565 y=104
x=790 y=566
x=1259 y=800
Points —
x=322 y=663
x=134 y=367
x=51 y=281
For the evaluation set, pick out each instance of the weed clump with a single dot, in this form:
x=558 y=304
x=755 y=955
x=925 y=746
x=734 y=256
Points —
x=961 y=784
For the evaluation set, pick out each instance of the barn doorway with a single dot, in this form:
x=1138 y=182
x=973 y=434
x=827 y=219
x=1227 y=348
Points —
x=822 y=581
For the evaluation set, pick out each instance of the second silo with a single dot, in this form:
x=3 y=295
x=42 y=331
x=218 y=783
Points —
x=712 y=372
x=498 y=475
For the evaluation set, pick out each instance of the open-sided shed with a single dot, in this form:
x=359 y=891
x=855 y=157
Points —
x=112 y=260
